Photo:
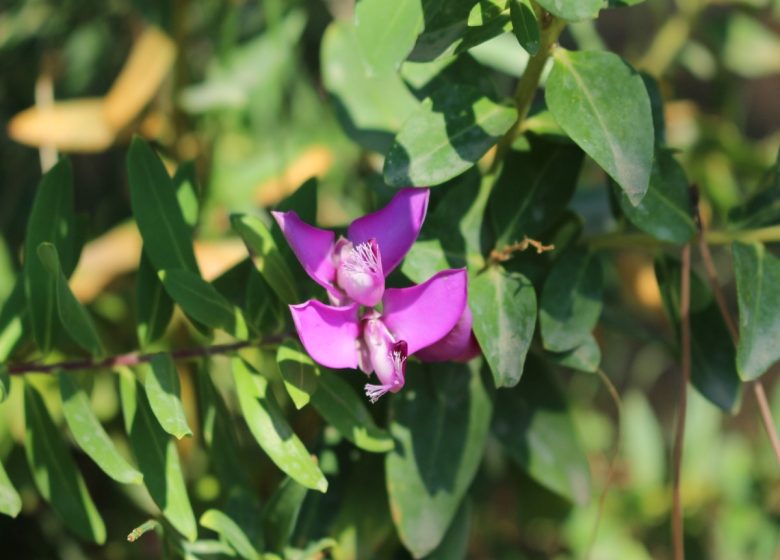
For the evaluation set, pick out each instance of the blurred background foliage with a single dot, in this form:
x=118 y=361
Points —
x=258 y=99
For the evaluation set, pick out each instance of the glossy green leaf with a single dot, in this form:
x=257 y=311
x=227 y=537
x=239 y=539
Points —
x=527 y=207
x=90 y=434
x=162 y=389
x=602 y=104
x=573 y=10
x=386 y=32
x=535 y=426
x=447 y=135
x=154 y=307
x=157 y=457
x=372 y=108
x=56 y=476
x=713 y=356
x=585 y=357
x=758 y=294
x=13 y=320
x=299 y=372
x=203 y=302
x=440 y=422
x=72 y=315
x=167 y=236
x=266 y=256
x=571 y=300
x=10 y=501
x=665 y=211
x=504 y=309
x=455 y=543
x=268 y=425
x=51 y=221
x=230 y=532
x=525 y=25
x=280 y=514
x=338 y=404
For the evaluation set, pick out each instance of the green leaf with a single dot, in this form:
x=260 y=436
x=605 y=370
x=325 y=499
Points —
x=157 y=458
x=230 y=532
x=447 y=135
x=573 y=10
x=10 y=501
x=166 y=234
x=13 y=320
x=371 y=108
x=504 y=309
x=528 y=207
x=154 y=307
x=162 y=388
x=585 y=357
x=56 y=476
x=440 y=422
x=713 y=356
x=763 y=208
x=72 y=315
x=603 y=105
x=299 y=372
x=456 y=540
x=338 y=404
x=266 y=256
x=758 y=294
x=571 y=300
x=262 y=309
x=535 y=426
x=90 y=435
x=525 y=25
x=446 y=21
x=203 y=302
x=186 y=185
x=665 y=211
x=51 y=220
x=386 y=32
x=281 y=514
x=268 y=425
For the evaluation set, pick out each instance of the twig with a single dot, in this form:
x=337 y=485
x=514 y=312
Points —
x=505 y=253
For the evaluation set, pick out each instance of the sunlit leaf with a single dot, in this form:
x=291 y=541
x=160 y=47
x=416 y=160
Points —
x=10 y=501
x=299 y=372
x=230 y=532
x=162 y=388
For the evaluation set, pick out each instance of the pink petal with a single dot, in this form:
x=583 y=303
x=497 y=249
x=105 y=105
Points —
x=328 y=333
x=313 y=247
x=424 y=314
x=459 y=345
x=395 y=227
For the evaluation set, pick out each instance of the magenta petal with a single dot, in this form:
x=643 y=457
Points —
x=459 y=345
x=424 y=314
x=395 y=227
x=313 y=247
x=328 y=333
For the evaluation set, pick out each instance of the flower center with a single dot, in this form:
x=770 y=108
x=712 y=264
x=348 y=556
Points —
x=359 y=271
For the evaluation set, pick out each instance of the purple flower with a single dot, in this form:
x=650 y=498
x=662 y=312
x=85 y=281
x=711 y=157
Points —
x=431 y=317
x=354 y=269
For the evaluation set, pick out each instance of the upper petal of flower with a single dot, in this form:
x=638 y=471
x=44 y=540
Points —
x=395 y=227
x=424 y=314
x=328 y=333
x=313 y=247
x=459 y=345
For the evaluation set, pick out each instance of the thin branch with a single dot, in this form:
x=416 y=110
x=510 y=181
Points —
x=507 y=251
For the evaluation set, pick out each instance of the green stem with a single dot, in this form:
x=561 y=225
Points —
x=618 y=240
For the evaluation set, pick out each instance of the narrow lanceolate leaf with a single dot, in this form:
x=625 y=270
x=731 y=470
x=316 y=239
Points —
x=154 y=307
x=266 y=256
x=571 y=300
x=13 y=319
x=281 y=514
x=665 y=211
x=573 y=10
x=5 y=383
x=534 y=424
x=10 y=501
x=338 y=404
x=90 y=435
x=157 y=457
x=440 y=422
x=52 y=220
x=166 y=234
x=72 y=315
x=447 y=135
x=386 y=32
x=203 y=302
x=230 y=532
x=602 y=104
x=299 y=372
x=55 y=474
x=504 y=310
x=162 y=389
x=758 y=293
x=525 y=25
x=186 y=185
x=269 y=426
